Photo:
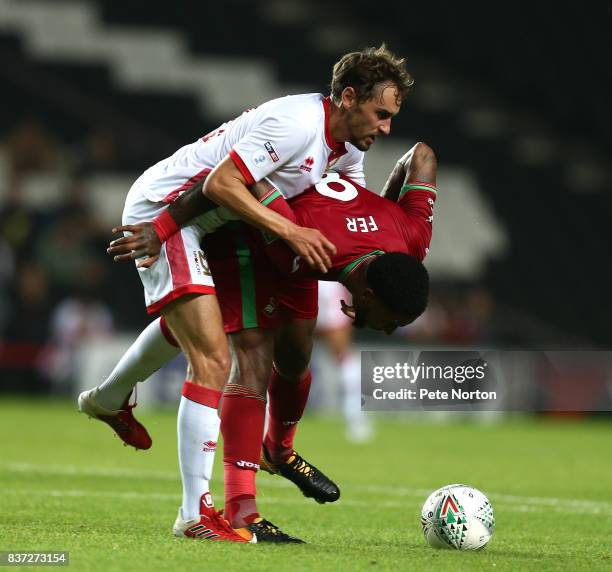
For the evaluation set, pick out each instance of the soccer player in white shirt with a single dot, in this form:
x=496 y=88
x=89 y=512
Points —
x=291 y=141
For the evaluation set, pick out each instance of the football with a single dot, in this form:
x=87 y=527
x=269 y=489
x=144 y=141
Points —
x=459 y=517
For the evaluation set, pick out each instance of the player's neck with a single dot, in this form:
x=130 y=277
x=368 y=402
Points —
x=336 y=123
x=357 y=281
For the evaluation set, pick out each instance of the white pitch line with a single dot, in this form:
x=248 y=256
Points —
x=529 y=500
x=80 y=493
x=75 y=470
x=516 y=503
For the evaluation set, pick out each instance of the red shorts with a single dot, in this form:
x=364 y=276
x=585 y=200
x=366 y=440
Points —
x=251 y=292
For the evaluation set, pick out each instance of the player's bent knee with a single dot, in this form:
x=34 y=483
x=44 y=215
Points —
x=212 y=369
x=293 y=364
x=292 y=355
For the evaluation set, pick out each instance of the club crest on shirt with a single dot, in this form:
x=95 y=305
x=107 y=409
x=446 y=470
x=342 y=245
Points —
x=271 y=151
x=200 y=263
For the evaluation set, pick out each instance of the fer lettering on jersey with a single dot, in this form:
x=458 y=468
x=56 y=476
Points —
x=361 y=224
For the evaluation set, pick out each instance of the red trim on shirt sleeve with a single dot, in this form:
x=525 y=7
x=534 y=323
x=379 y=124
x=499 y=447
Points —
x=244 y=170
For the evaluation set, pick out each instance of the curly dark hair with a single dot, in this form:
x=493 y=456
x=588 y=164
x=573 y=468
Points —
x=401 y=282
x=366 y=69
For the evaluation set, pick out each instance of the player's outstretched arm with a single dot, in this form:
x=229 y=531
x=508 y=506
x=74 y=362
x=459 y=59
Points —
x=147 y=238
x=227 y=187
x=418 y=164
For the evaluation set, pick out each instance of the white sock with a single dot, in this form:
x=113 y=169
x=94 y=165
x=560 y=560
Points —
x=198 y=432
x=145 y=356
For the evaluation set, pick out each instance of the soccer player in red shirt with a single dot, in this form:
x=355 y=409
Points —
x=379 y=243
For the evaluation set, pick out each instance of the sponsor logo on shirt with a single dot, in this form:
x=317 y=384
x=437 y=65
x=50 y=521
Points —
x=271 y=151
x=307 y=164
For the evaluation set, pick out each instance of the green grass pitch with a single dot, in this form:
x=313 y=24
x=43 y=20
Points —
x=66 y=483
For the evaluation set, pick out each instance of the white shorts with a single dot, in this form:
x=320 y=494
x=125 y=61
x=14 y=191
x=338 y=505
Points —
x=330 y=315
x=181 y=268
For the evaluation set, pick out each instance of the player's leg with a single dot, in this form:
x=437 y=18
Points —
x=288 y=393
x=289 y=386
x=151 y=350
x=180 y=286
x=242 y=424
x=290 y=378
x=248 y=300
x=109 y=402
x=178 y=272
x=195 y=321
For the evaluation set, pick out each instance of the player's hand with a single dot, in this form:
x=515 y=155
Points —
x=312 y=246
x=143 y=244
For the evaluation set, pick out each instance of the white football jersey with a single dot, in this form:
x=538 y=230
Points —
x=285 y=140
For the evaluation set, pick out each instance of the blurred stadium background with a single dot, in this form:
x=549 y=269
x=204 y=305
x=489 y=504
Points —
x=515 y=103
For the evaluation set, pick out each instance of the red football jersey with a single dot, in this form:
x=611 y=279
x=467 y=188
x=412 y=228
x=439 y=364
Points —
x=360 y=223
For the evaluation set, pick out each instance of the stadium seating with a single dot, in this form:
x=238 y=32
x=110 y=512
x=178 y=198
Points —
x=486 y=96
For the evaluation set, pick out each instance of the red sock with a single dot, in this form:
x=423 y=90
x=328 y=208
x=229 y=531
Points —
x=242 y=423
x=287 y=403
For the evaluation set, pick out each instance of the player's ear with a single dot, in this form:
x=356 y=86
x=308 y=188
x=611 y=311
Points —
x=368 y=295
x=348 y=97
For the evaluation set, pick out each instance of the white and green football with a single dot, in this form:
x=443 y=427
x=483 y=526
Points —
x=457 y=517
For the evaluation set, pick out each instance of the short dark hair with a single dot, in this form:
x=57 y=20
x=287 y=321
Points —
x=364 y=70
x=401 y=282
